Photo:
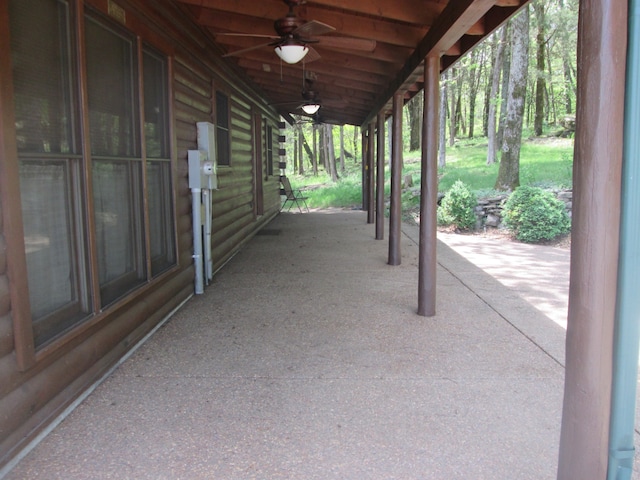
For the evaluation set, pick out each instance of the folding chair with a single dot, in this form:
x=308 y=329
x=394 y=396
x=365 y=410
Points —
x=292 y=196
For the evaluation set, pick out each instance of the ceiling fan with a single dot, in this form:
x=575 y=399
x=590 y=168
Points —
x=295 y=36
x=311 y=101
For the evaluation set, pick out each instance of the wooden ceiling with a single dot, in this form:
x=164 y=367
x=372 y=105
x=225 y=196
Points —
x=389 y=40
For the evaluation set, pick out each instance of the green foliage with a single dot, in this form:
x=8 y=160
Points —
x=457 y=207
x=535 y=215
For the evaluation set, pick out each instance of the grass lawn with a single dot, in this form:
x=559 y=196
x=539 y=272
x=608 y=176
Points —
x=544 y=162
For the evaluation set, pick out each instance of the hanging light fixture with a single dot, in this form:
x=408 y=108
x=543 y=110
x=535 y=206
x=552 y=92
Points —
x=291 y=51
x=310 y=108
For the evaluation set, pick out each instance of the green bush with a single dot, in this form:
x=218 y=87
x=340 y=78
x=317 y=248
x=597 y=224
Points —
x=457 y=207
x=533 y=215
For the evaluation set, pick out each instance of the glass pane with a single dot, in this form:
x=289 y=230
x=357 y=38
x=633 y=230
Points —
x=48 y=236
x=40 y=54
x=117 y=206
x=156 y=129
x=110 y=87
x=222 y=130
x=160 y=216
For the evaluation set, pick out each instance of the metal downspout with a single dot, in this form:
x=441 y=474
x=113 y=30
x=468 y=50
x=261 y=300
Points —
x=627 y=329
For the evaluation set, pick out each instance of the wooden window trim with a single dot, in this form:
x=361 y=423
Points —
x=12 y=227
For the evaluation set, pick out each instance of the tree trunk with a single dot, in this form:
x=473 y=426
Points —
x=538 y=8
x=492 y=138
x=504 y=88
x=475 y=74
x=326 y=132
x=487 y=87
x=314 y=157
x=452 y=110
x=307 y=149
x=442 y=127
x=509 y=172
x=355 y=144
x=415 y=121
x=342 y=153
x=301 y=142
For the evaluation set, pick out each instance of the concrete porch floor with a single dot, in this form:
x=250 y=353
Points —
x=305 y=359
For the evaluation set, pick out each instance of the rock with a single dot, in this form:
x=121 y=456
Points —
x=492 y=220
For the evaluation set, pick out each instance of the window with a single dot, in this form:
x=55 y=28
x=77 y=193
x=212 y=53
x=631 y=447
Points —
x=223 y=140
x=116 y=162
x=130 y=164
x=50 y=167
x=156 y=133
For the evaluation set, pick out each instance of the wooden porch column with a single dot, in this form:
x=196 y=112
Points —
x=429 y=189
x=395 y=210
x=371 y=204
x=602 y=38
x=380 y=179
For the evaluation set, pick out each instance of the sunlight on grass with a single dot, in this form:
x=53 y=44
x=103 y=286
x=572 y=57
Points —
x=546 y=163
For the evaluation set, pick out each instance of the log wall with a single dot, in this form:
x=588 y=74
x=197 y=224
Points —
x=30 y=398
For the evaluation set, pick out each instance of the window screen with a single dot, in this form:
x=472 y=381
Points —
x=40 y=48
x=110 y=75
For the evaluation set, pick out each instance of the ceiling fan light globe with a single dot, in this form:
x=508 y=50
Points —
x=291 y=53
x=310 y=109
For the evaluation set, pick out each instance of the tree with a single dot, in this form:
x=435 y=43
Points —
x=538 y=8
x=453 y=113
x=414 y=107
x=326 y=135
x=509 y=172
x=442 y=126
x=492 y=146
x=342 y=153
x=475 y=75
x=506 y=66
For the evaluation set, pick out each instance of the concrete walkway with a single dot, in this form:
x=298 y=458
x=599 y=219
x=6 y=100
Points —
x=305 y=359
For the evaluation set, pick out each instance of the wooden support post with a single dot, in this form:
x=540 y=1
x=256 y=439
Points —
x=395 y=210
x=429 y=189
x=602 y=38
x=371 y=203
x=380 y=179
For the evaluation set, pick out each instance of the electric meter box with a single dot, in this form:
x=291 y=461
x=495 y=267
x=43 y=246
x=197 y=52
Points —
x=201 y=171
x=202 y=162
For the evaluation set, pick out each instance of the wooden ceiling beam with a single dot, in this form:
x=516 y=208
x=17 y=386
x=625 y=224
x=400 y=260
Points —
x=330 y=87
x=410 y=11
x=348 y=66
x=453 y=23
x=320 y=67
x=242 y=19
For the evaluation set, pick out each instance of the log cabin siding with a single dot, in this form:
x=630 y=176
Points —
x=31 y=398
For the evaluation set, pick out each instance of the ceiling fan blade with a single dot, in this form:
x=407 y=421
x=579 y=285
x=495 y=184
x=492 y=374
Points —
x=245 y=50
x=253 y=35
x=348 y=43
x=313 y=28
x=312 y=56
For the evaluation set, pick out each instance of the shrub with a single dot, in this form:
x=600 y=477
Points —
x=533 y=215
x=457 y=207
